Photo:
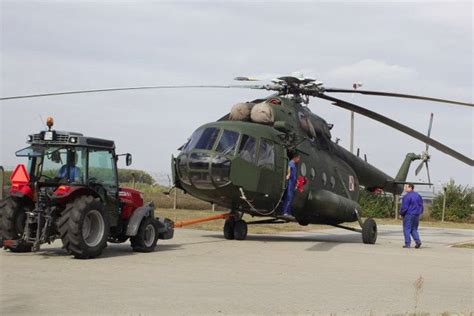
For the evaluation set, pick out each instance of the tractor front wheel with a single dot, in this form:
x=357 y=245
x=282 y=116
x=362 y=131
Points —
x=147 y=236
x=12 y=222
x=84 y=227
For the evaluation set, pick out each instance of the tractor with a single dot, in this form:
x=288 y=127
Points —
x=70 y=190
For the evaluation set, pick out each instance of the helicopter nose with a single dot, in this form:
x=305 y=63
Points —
x=204 y=170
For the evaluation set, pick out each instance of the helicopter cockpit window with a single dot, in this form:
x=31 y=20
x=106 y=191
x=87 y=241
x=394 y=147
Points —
x=206 y=139
x=266 y=155
x=193 y=140
x=248 y=148
x=228 y=142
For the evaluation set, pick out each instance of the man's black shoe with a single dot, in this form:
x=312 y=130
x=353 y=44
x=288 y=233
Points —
x=418 y=245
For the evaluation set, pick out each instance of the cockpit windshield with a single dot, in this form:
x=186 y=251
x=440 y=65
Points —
x=203 y=138
x=228 y=142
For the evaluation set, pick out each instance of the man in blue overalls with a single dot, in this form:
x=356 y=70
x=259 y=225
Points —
x=291 y=186
x=411 y=210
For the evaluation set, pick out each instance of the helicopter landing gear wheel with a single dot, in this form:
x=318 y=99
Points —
x=240 y=230
x=229 y=228
x=369 y=231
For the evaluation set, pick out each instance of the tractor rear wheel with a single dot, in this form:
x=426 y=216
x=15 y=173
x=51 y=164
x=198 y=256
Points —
x=84 y=227
x=369 y=231
x=12 y=222
x=147 y=236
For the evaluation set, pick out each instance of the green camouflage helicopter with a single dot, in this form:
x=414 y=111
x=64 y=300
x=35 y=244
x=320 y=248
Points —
x=240 y=161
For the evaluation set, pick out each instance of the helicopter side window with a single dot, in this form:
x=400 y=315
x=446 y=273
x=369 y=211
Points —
x=266 y=155
x=207 y=139
x=228 y=142
x=248 y=148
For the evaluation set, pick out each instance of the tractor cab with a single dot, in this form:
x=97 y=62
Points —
x=70 y=190
x=63 y=162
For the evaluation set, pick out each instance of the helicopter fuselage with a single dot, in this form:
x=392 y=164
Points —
x=242 y=165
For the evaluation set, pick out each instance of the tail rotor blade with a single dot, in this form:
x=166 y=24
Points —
x=429 y=130
x=418 y=169
x=428 y=172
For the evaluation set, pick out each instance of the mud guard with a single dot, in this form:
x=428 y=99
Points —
x=137 y=217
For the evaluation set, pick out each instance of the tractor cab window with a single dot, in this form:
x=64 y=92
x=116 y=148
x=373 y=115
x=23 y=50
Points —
x=228 y=142
x=59 y=163
x=102 y=168
x=266 y=154
x=248 y=148
x=203 y=138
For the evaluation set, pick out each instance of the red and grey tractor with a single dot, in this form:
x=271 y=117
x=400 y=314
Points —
x=70 y=190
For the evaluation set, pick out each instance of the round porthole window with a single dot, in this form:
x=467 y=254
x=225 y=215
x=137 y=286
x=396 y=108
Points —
x=313 y=174
x=324 y=178
x=333 y=182
x=303 y=169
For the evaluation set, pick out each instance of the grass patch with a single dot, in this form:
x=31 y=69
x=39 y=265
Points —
x=468 y=245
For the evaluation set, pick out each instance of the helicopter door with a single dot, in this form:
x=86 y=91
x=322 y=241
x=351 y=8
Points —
x=271 y=168
x=244 y=171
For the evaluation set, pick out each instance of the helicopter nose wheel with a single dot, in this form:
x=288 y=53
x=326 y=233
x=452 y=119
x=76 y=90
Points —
x=369 y=231
x=235 y=229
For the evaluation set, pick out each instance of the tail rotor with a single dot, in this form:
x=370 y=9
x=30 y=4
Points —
x=425 y=156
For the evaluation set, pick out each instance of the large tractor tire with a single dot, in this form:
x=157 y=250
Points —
x=84 y=227
x=147 y=236
x=12 y=222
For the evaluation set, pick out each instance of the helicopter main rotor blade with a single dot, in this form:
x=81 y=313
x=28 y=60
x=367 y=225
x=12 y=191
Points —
x=128 y=88
x=398 y=126
x=396 y=95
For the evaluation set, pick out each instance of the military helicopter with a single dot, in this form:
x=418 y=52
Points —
x=240 y=161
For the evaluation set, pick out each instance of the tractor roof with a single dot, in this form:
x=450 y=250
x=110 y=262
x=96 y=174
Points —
x=69 y=138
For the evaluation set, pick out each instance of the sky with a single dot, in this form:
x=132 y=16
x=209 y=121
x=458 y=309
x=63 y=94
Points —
x=422 y=47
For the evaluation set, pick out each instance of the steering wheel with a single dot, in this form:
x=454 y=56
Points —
x=46 y=177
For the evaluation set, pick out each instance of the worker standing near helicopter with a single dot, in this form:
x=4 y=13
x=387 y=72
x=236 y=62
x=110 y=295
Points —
x=291 y=185
x=411 y=210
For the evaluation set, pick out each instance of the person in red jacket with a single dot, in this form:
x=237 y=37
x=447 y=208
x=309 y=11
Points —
x=411 y=210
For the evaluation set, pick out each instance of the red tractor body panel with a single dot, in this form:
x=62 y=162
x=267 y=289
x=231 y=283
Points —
x=131 y=200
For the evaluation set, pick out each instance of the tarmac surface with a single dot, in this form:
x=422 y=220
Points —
x=199 y=272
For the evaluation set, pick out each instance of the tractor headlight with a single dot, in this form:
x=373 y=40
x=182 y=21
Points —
x=73 y=140
x=30 y=138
